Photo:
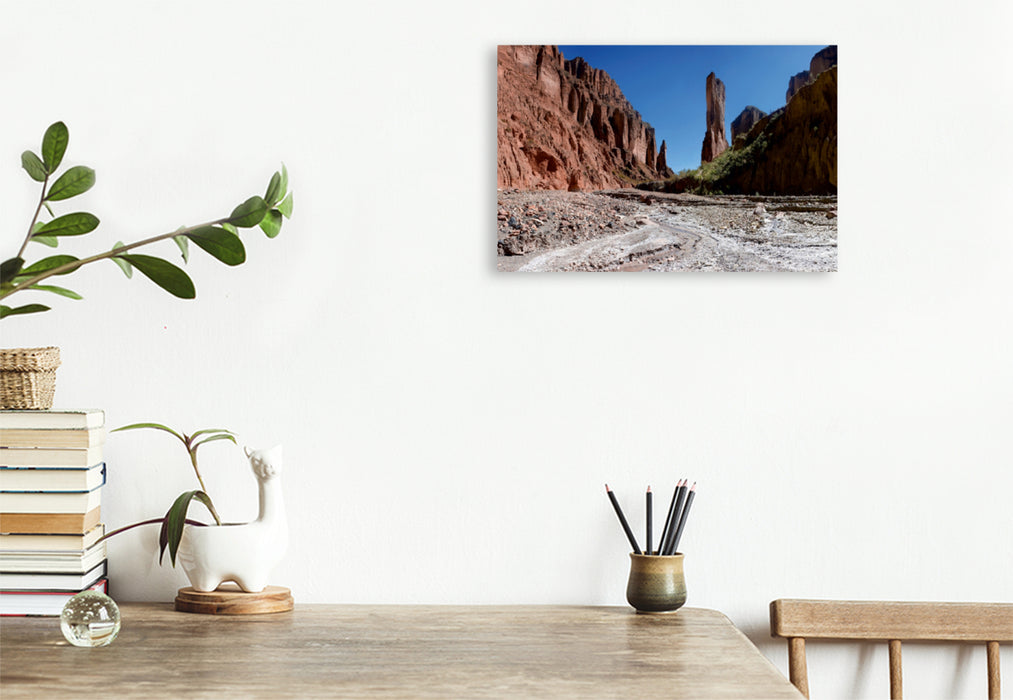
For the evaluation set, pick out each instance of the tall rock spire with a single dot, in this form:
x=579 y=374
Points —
x=714 y=141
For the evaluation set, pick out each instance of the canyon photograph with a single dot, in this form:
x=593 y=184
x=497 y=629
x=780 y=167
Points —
x=666 y=158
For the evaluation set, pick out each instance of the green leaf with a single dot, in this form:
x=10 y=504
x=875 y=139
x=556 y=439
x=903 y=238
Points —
x=284 y=180
x=249 y=213
x=164 y=274
x=286 y=206
x=6 y=311
x=271 y=225
x=72 y=183
x=33 y=166
x=212 y=439
x=47 y=264
x=62 y=291
x=219 y=243
x=153 y=426
x=9 y=269
x=51 y=241
x=274 y=191
x=127 y=268
x=69 y=225
x=211 y=430
x=230 y=228
x=175 y=519
x=54 y=145
x=184 y=247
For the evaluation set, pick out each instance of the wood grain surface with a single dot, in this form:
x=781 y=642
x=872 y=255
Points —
x=395 y=652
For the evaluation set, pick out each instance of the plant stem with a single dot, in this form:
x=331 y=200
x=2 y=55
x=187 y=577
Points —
x=144 y=522
x=108 y=254
x=31 y=226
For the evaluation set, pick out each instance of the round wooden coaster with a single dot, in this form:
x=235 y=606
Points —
x=230 y=599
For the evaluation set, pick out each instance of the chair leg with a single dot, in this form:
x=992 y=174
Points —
x=797 y=673
x=994 y=690
x=896 y=674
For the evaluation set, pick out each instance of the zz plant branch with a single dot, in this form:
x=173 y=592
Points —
x=219 y=237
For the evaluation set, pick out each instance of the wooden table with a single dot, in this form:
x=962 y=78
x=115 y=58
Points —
x=394 y=651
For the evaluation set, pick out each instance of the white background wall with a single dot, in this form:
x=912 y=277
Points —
x=448 y=429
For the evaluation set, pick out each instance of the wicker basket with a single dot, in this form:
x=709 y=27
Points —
x=28 y=377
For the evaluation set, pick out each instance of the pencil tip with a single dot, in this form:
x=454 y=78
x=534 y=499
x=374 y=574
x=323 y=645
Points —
x=607 y=487
x=648 y=488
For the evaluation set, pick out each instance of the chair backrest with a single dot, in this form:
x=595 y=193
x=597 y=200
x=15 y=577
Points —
x=891 y=622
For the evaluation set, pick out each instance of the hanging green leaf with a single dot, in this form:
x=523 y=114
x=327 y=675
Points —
x=69 y=225
x=284 y=180
x=271 y=225
x=219 y=243
x=127 y=268
x=33 y=166
x=54 y=145
x=62 y=291
x=9 y=269
x=274 y=191
x=164 y=274
x=6 y=311
x=75 y=181
x=175 y=519
x=286 y=206
x=47 y=264
x=51 y=241
x=249 y=213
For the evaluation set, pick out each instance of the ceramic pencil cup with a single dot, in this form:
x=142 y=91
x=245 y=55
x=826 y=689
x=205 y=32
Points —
x=656 y=584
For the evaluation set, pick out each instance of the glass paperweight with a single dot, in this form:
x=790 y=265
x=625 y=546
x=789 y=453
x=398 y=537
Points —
x=90 y=619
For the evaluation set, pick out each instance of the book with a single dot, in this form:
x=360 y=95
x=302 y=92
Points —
x=42 y=603
x=52 y=582
x=41 y=543
x=83 y=419
x=58 y=439
x=50 y=502
x=38 y=457
x=36 y=479
x=53 y=562
x=49 y=523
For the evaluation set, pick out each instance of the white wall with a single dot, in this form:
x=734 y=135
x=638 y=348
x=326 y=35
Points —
x=448 y=429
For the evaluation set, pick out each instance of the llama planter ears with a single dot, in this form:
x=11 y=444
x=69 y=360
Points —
x=243 y=553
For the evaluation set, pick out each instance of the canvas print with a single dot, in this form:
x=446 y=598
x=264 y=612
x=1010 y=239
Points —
x=666 y=158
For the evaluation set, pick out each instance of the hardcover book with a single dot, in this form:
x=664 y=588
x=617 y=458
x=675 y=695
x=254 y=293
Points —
x=51 y=523
x=41 y=603
x=83 y=419
x=50 y=479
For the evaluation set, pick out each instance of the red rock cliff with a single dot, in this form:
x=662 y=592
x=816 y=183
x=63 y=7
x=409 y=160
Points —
x=563 y=124
x=714 y=141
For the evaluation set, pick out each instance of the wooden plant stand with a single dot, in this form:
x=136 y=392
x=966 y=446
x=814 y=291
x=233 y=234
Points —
x=229 y=599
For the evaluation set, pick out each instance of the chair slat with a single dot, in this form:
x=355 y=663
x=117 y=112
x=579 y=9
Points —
x=839 y=619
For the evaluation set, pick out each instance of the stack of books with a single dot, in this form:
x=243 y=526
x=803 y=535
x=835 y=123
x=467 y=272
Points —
x=51 y=478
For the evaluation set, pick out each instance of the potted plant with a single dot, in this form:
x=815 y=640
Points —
x=27 y=375
x=211 y=554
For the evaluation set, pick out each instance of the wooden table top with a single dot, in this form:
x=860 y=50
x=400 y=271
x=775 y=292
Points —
x=394 y=651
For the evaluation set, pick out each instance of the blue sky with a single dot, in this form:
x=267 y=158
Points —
x=666 y=84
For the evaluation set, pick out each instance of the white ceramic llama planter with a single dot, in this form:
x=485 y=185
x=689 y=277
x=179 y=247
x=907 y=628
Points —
x=245 y=553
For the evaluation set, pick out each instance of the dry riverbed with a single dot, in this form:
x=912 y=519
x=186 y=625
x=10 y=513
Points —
x=633 y=231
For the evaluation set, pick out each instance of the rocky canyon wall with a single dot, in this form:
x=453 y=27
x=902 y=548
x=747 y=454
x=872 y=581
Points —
x=562 y=124
x=794 y=149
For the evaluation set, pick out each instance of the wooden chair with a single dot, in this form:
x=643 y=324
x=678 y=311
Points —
x=799 y=620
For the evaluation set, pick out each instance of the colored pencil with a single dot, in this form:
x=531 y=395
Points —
x=650 y=517
x=622 y=520
x=683 y=518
